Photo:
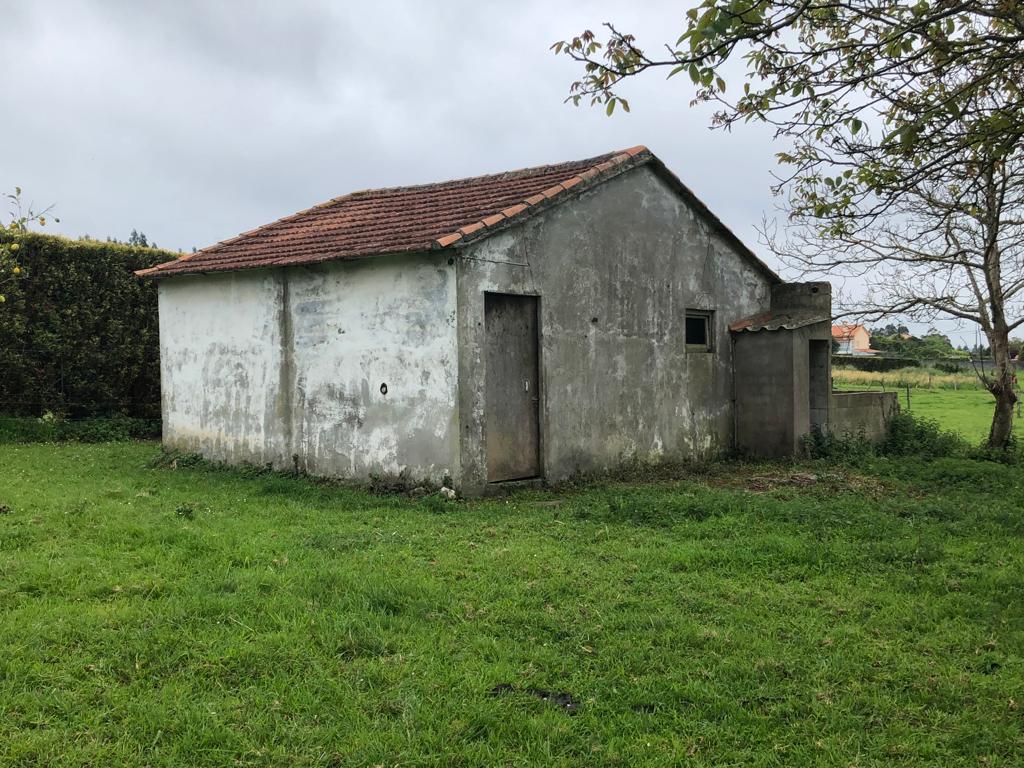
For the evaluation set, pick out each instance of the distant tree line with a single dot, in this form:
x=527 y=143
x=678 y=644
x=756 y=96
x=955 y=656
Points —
x=136 y=239
x=896 y=341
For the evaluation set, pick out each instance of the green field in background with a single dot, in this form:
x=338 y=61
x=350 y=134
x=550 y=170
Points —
x=966 y=411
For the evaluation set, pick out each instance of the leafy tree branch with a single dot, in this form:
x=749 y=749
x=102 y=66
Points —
x=902 y=127
x=21 y=215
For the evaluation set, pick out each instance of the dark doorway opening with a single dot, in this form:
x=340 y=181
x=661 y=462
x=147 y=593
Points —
x=512 y=410
x=819 y=384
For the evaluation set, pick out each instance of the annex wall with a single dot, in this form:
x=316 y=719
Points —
x=863 y=414
x=766 y=393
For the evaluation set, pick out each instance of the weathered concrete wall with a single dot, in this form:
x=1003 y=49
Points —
x=361 y=328
x=779 y=393
x=287 y=366
x=616 y=270
x=220 y=366
x=863 y=413
x=801 y=297
x=765 y=393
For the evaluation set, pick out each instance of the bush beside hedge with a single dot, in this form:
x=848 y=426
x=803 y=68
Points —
x=78 y=332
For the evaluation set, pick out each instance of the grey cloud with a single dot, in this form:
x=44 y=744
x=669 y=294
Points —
x=195 y=120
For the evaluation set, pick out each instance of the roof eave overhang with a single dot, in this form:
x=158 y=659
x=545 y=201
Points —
x=153 y=274
x=769 y=322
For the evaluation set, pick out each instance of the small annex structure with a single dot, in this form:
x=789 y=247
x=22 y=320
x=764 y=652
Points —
x=516 y=326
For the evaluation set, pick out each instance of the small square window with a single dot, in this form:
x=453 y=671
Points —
x=698 y=331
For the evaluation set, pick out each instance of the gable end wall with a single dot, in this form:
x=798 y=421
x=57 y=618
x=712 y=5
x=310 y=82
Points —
x=615 y=269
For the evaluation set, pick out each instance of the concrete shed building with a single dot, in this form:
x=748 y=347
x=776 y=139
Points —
x=529 y=324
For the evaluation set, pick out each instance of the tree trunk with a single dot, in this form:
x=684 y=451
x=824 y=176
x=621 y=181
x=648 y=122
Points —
x=1002 y=420
x=1001 y=385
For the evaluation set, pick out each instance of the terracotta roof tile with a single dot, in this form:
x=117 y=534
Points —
x=402 y=219
x=515 y=210
x=447 y=240
x=469 y=229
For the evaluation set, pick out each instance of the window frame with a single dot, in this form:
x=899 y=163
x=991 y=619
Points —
x=708 y=316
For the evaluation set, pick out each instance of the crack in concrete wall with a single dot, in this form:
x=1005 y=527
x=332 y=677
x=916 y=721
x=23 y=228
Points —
x=286 y=380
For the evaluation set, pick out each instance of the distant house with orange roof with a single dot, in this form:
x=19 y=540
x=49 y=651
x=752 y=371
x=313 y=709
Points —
x=852 y=340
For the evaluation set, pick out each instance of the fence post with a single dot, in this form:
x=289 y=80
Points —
x=908 y=397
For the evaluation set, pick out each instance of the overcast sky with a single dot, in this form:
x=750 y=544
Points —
x=194 y=120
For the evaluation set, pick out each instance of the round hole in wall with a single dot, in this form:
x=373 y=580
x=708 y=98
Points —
x=593 y=320
x=383 y=389
x=814 y=289
x=450 y=262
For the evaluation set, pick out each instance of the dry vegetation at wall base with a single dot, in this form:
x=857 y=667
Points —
x=781 y=614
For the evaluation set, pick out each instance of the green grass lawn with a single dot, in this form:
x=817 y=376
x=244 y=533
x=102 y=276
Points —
x=739 y=616
x=966 y=411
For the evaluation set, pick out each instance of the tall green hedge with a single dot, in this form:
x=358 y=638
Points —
x=78 y=332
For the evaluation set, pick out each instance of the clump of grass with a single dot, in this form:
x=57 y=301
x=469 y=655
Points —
x=821 y=444
x=911 y=435
x=641 y=507
x=437 y=503
x=1012 y=454
x=172 y=459
x=186 y=511
x=637 y=470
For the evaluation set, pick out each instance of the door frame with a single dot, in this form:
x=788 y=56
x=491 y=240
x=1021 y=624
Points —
x=541 y=386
